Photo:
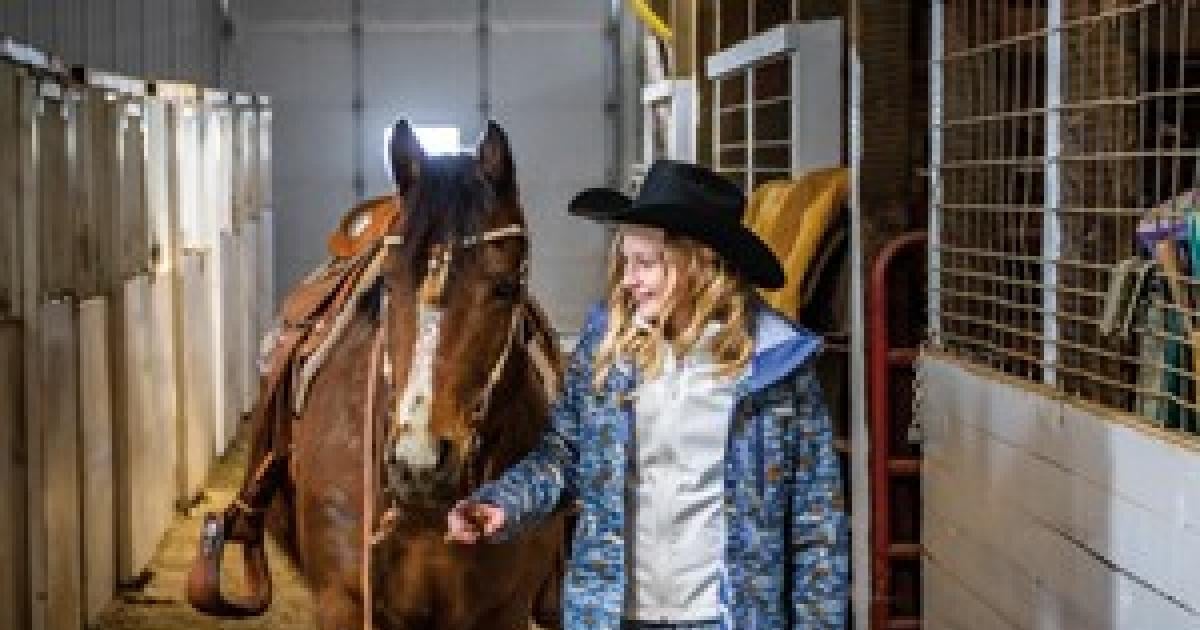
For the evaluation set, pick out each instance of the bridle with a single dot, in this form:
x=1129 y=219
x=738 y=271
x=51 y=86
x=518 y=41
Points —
x=411 y=411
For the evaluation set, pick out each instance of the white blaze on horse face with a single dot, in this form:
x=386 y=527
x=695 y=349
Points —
x=414 y=444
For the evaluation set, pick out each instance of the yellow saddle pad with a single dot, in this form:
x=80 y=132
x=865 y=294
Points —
x=793 y=217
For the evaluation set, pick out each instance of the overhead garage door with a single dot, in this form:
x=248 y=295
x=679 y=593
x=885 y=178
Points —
x=539 y=69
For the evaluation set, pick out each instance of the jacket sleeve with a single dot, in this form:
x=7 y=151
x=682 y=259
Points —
x=530 y=490
x=819 y=571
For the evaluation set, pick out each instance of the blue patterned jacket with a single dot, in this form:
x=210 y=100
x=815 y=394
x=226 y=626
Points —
x=786 y=550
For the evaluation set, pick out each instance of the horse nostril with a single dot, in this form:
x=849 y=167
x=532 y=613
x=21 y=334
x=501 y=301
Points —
x=445 y=448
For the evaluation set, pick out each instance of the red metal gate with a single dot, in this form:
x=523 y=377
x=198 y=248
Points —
x=895 y=461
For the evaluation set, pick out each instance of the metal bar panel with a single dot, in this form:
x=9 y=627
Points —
x=1052 y=227
x=1086 y=113
x=936 y=122
x=860 y=484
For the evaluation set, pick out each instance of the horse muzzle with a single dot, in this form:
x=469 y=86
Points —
x=421 y=466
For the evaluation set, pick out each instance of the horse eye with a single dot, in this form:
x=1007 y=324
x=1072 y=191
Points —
x=507 y=289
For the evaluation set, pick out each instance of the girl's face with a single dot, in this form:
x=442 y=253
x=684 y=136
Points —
x=644 y=266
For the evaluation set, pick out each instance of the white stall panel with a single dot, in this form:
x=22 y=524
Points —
x=96 y=459
x=55 y=501
x=138 y=489
x=199 y=372
x=161 y=424
x=247 y=238
x=266 y=272
x=233 y=322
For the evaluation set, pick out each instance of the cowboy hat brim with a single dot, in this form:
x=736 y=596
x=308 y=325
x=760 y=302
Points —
x=736 y=244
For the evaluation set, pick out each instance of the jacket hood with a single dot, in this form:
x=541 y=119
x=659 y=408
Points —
x=780 y=345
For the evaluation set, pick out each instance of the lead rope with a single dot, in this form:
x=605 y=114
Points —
x=369 y=465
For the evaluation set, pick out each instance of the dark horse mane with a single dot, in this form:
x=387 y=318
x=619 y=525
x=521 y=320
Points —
x=450 y=202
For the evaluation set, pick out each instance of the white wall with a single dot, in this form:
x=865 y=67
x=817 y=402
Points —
x=1039 y=513
x=547 y=69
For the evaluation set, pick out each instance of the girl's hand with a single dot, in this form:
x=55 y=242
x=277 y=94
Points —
x=468 y=521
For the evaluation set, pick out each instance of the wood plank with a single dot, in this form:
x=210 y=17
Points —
x=199 y=388
x=57 y=220
x=14 y=595
x=96 y=460
x=132 y=225
x=248 y=319
x=232 y=323
x=971 y=523
x=62 y=595
x=1101 y=483
x=10 y=216
x=106 y=194
x=218 y=302
x=266 y=271
x=133 y=428
x=84 y=182
x=162 y=423
x=950 y=606
x=35 y=526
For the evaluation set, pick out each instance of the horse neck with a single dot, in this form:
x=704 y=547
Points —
x=514 y=421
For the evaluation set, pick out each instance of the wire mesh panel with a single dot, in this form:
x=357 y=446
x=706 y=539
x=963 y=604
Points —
x=753 y=123
x=991 y=175
x=1068 y=234
x=776 y=98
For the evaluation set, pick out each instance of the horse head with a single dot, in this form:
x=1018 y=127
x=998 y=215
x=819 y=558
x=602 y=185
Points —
x=459 y=307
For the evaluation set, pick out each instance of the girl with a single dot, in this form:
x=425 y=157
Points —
x=691 y=431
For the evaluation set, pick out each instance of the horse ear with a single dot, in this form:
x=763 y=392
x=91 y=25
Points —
x=406 y=155
x=495 y=158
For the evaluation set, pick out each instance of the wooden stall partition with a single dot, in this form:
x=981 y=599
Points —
x=13 y=137
x=266 y=230
x=197 y=438
x=14 y=582
x=266 y=271
x=192 y=325
x=134 y=432
x=216 y=227
x=52 y=445
x=163 y=421
x=57 y=219
x=247 y=246
x=232 y=326
x=96 y=460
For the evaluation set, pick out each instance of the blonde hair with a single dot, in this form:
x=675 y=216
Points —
x=700 y=289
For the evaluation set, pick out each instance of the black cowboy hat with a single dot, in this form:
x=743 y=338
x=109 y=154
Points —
x=691 y=201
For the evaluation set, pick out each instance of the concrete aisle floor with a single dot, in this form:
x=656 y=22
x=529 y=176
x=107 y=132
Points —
x=162 y=604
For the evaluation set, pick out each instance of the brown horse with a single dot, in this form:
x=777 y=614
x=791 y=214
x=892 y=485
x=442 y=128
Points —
x=442 y=356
